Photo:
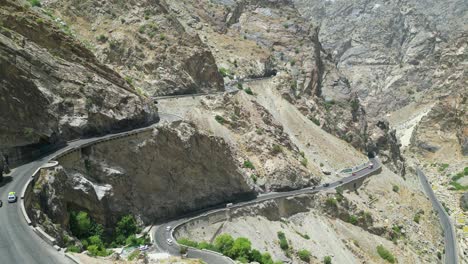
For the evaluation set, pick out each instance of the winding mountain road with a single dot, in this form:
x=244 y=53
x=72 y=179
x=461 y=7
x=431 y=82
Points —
x=451 y=255
x=18 y=242
x=165 y=231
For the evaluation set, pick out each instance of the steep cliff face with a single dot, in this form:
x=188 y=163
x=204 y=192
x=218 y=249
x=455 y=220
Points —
x=53 y=88
x=389 y=51
x=145 y=42
x=157 y=175
x=443 y=133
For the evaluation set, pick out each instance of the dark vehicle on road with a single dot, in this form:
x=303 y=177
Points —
x=1 y=203
x=326 y=185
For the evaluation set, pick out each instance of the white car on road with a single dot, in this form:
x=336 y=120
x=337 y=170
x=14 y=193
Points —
x=168 y=228
x=169 y=241
x=12 y=197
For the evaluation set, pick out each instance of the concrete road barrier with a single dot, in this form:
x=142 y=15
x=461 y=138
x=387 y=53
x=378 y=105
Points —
x=46 y=237
x=72 y=258
x=25 y=214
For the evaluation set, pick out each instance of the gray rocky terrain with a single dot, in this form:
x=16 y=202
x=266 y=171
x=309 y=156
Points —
x=53 y=88
x=321 y=84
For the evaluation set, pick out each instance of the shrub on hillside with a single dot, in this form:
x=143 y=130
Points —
x=385 y=254
x=304 y=255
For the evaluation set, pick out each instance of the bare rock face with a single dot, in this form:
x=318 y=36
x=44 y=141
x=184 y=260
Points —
x=445 y=128
x=464 y=201
x=145 y=42
x=53 y=88
x=277 y=163
x=160 y=174
x=389 y=51
x=388 y=55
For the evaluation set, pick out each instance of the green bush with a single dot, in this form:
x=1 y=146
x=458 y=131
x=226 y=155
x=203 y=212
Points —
x=248 y=91
x=95 y=241
x=277 y=149
x=255 y=256
x=417 y=218
x=254 y=178
x=35 y=3
x=207 y=246
x=127 y=226
x=395 y=188
x=331 y=202
x=74 y=249
x=101 y=38
x=304 y=255
x=248 y=164
x=224 y=243
x=304 y=162
x=283 y=242
x=316 y=121
x=187 y=242
x=385 y=254
x=353 y=219
x=94 y=251
x=241 y=248
x=266 y=259
x=240 y=86
x=134 y=255
x=132 y=240
x=80 y=224
x=327 y=260
x=224 y=72
x=443 y=167
x=220 y=119
x=354 y=105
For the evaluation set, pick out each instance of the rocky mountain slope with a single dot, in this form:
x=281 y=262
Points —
x=333 y=81
x=160 y=45
x=171 y=170
x=347 y=225
x=53 y=88
x=143 y=41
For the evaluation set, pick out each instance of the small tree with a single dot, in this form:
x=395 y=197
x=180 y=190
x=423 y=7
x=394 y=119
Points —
x=80 y=224
x=283 y=242
x=241 y=248
x=224 y=243
x=126 y=226
x=304 y=255
x=327 y=260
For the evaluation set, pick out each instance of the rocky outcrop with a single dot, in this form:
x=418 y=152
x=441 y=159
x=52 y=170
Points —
x=52 y=88
x=383 y=142
x=464 y=201
x=144 y=41
x=444 y=128
x=163 y=173
x=277 y=163
x=388 y=51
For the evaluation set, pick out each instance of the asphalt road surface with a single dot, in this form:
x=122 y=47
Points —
x=451 y=255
